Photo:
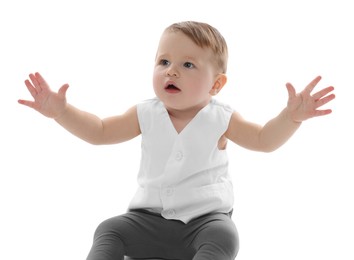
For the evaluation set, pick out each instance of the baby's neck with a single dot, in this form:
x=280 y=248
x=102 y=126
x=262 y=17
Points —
x=181 y=118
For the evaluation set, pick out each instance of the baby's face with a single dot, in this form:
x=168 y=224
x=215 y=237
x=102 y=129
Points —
x=184 y=73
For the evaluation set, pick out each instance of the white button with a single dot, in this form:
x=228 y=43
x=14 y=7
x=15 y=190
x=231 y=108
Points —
x=179 y=156
x=169 y=192
x=170 y=213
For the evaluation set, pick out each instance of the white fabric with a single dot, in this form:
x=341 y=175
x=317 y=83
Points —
x=183 y=175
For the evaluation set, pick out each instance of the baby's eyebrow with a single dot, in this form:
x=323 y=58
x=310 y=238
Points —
x=191 y=59
x=161 y=55
x=165 y=56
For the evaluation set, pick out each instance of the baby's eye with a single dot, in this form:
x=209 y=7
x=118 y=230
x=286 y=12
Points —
x=164 y=62
x=188 y=65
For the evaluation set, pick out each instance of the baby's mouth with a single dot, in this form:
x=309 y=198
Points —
x=172 y=88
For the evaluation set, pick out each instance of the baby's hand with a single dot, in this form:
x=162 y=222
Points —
x=303 y=105
x=46 y=102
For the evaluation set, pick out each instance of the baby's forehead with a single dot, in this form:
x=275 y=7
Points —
x=173 y=40
x=174 y=35
x=176 y=45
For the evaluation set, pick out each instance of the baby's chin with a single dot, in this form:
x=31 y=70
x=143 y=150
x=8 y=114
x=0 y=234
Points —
x=184 y=107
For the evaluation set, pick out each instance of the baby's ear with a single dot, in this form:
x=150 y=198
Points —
x=219 y=83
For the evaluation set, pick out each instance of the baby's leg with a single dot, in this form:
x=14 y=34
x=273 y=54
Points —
x=108 y=240
x=217 y=239
x=134 y=234
x=121 y=235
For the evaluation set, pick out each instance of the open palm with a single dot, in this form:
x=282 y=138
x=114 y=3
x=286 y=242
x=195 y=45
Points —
x=47 y=102
x=303 y=105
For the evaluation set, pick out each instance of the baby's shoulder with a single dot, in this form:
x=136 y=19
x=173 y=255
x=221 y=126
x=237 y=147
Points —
x=221 y=105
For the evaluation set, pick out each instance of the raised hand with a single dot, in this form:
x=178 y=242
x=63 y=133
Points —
x=303 y=105
x=47 y=102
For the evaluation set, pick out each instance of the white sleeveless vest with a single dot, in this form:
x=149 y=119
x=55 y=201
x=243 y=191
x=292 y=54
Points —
x=183 y=175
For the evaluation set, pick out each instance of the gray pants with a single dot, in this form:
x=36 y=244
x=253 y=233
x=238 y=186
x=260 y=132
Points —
x=141 y=234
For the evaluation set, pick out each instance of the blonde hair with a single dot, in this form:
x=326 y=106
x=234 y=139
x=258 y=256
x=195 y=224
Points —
x=205 y=36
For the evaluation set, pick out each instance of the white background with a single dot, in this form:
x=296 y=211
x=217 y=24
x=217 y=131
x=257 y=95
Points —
x=294 y=203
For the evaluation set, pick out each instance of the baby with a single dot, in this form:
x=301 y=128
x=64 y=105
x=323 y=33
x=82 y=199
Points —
x=183 y=204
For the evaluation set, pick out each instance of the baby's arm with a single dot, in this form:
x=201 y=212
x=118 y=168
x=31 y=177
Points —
x=278 y=130
x=97 y=131
x=80 y=123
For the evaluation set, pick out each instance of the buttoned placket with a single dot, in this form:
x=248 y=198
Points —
x=172 y=172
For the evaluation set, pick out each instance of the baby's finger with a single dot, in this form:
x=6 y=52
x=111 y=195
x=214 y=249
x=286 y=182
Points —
x=322 y=112
x=42 y=83
x=312 y=84
x=322 y=93
x=325 y=100
x=291 y=90
x=35 y=82
x=31 y=88
x=27 y=103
